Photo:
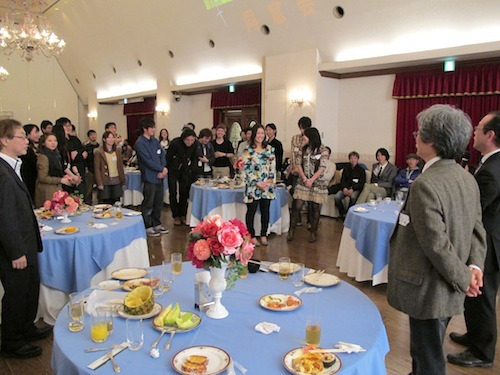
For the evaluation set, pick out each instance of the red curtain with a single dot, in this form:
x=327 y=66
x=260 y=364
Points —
x=135 y=112
x=242 y=97
x=475 y=90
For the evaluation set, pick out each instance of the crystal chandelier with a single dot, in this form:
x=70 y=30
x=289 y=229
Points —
x=29 y=32
x=4 y=74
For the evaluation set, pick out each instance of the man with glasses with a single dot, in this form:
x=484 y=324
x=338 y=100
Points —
x=480 y=312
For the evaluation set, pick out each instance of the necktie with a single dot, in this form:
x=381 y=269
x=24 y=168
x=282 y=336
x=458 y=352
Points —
x=479 y=166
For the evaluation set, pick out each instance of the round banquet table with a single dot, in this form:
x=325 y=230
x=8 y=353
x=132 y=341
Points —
x=364 y=246
x=346 y=313
x=229 y=204
x=132 y=196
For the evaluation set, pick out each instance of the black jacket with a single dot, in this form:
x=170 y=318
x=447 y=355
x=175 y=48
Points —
x=180 y=158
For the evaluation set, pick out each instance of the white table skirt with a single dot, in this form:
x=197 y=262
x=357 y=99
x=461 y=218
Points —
x=134 y=197
x=354 y=264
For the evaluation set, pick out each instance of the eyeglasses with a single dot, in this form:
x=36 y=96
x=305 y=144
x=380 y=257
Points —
x=20 y=136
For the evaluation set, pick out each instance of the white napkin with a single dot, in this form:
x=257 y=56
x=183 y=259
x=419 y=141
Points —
x=232 y=365
x=107 y=284
x=99 y=226
x=103 y=298
x=155 y=353
x=310 y=289
x=267 y=328
x=46 y=228
x=349 y=348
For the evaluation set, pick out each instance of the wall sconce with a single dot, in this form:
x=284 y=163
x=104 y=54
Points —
x=4 y=74
x=299 y=97
x=162 y=109
x=92 y=115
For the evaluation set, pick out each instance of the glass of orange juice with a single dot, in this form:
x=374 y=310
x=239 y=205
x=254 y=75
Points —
x=99 y=325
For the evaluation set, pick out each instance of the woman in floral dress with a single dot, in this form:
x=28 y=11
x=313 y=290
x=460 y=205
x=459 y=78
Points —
x=311 y=163
x=259 y=163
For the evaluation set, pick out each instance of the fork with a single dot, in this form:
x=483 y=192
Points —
x=167 y=346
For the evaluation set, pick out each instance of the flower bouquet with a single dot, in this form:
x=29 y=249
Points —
x=62 y=204
x=214 y=245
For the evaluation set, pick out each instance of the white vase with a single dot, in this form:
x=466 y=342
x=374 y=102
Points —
x=217 y=285
x=65 y=219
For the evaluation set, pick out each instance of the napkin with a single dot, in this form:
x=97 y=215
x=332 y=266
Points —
x=46 y=228
x=155 y=353
x=232 y=365
x=267 y=328
x=310 y=289
x=349 y=348
x=103 y=298
x=99 y=226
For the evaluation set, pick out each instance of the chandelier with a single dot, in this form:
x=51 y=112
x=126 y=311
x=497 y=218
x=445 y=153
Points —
x=29 y=32
x=4 y=74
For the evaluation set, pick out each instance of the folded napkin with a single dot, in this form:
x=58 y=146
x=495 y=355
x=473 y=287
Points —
x=267 y=328
x=155 y=353
x=232 y=365
x=99 y=226
x=46 y=228
x=103 y=298
x=346 y=347
x=310 y=289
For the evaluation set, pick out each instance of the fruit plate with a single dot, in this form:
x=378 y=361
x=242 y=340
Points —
x=169 y=329
x=156 y=310
x=67 y=230
x=218 y=359
x=129 y=273
x=323 y=279
x=294 y=353
x=104 y=215
x=134 y=283
x=280 y=301
x=275 y=267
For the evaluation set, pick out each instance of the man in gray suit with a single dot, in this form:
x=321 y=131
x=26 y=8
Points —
x=480 y=313
x=439 y=245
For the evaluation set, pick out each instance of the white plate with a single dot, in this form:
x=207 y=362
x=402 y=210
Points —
x=218 y=359
x=102 y=206
x=134 y=283
x=324 y=279
x=156 y=310
x=133 y=213
x=169 y=329
x=263 y=302
x=129 y=273
x=100 y=216
x=361 y=210
x=275 y=267
x=62 y=230
x=294 y=353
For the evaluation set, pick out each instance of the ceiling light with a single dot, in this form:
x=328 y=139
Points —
x=4 y=74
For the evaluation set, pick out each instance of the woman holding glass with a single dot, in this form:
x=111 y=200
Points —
x=259 y=163
x=311 y=162
x=108 y=170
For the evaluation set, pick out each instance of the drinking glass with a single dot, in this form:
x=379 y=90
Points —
x=313 y=331
x=284 y=268
x=167 y=277
x=108 y=315
x=99 y=325
x=118 y=211
x=75 y=312
x=156 y=278
x=176 y=259
x=298 y=277
x=135 y=334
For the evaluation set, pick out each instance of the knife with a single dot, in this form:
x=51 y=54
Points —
x=104 y=358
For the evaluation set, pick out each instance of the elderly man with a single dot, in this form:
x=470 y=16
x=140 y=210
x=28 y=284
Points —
x=439 y=245
x=480 y=312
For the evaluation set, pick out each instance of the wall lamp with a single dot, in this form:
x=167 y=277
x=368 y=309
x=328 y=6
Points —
x=92 y=115
x=162 y=109
x=299 y=97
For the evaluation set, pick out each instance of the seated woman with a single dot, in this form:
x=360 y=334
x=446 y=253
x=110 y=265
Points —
x=382 y=181
x=406 y=176
x=52 y=172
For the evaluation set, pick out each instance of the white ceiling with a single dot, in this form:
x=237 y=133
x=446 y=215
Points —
x=106 y=34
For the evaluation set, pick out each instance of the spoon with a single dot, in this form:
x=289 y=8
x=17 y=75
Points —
x=116 y=368
x=167 y=347
x=158 y=339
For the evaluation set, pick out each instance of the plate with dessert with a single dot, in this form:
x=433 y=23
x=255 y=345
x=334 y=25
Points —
x=304 y=362
x=67 y=230
x=207 y=360
x=280 y=302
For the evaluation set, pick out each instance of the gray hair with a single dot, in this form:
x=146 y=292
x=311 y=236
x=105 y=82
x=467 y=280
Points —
x=448 y=128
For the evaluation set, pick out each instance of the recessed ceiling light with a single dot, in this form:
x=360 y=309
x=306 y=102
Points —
x=265 y=29
x=338 y=12
x=139 y=62
x=77 y=81
x=114 y=69
x=211 y=43
x=171 y=54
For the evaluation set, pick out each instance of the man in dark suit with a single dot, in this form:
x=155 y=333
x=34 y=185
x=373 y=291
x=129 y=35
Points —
x=439 y=245
x=480 y=312
x=19 y=244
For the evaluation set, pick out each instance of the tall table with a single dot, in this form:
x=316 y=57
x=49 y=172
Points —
x=347 y=315
x=132 y=196
x=229 y=204
x=364 y=246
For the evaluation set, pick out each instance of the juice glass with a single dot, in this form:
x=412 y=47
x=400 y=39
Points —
x=176 y=260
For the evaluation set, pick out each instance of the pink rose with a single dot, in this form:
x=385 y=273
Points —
x=215 y=219
x=201 y=250
x=47 y=205
x=242 y=227
x=230 y=238
x=190 y=255
x=58 y=195
x=246 y=252
x=209 y=230
x=215 y=246
x=72 y=207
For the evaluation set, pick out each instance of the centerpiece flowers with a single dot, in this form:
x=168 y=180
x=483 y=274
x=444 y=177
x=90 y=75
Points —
x=62 y=204
x=214 y=244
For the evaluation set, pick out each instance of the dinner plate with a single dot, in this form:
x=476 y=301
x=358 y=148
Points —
x=64 y=230
x=128 y=273
x=218 y=359
x=324 y=279
x=275 y=267
x=102 y=206
x=361 y=210
x=294 y=353
x=156 y=310
x=101 y=216
x=169 y=329
x=133 y=213
x=134 y=283
x=265 y=300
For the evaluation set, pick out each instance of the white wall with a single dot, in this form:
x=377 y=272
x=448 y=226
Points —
x=37 y=90
x=110 y=113
x=190 y=108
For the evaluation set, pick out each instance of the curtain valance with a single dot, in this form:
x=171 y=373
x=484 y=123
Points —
x=242 y=97
x=141 y=108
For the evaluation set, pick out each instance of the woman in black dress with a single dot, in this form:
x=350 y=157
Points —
x=28 y=168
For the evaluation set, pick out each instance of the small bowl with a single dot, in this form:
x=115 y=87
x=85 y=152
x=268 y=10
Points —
x=253 y=267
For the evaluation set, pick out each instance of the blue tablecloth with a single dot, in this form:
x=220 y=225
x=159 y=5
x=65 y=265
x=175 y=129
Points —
x=68 y=262
x=205 y=199
x=372 y=231
x=134 y=182
x=346 y=313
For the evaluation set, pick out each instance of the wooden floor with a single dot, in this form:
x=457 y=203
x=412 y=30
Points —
x=322 y=254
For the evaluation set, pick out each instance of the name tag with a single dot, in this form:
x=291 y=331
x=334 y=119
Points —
x=158 y=151
x=404 y=220
x=113 y=158
x=355 y=180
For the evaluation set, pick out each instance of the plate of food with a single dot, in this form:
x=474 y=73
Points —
x=321 y=279
x=304 y=362
x=104 y=215
x=67 y=230
x=155 y=311
x=102 y=207
x=275 y=267
x=133 y=213
x=280 y=302
x=47 y=214
x=129 y=273
x=206 y=360
x=362 y=210
x=134 y=283
x=173 y=319
x=222 y=186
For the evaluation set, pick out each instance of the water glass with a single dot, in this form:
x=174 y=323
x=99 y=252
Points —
x=99 y=326
x=75 y=312
x=284 y=268
x=313 y=331
x=176 y=259
x=167 y=277
x=135 y=334
x=298 y=277
x=156 y=277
